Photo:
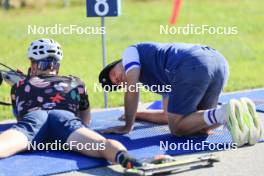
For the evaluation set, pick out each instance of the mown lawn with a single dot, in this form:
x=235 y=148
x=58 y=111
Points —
x=140 y=21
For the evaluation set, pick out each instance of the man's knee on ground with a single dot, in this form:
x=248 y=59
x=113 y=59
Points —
x=178 y=131
x=3 y=154
x=175 y=126
x=12 y=141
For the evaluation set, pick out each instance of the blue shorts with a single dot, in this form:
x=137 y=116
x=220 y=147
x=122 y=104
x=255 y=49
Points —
x=198 y=81
x=42 y=126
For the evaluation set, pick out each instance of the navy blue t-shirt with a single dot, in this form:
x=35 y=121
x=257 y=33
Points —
x=156 y=61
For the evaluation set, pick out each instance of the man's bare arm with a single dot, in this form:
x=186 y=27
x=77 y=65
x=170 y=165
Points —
x=85 y=116
x=131 y=97
x=155 y=116
x=131 y=103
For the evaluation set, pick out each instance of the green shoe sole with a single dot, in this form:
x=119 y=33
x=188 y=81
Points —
x=236 y=124
x=252 y=121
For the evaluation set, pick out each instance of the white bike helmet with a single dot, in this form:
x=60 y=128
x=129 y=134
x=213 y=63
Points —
x=43 y=48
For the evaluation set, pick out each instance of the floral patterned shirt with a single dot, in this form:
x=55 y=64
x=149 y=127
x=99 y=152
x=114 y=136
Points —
x=47 y=93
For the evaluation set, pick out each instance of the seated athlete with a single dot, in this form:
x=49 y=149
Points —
x=52 y=108
x=189 y=77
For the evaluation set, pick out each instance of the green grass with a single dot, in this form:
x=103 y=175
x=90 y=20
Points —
x=140 y=21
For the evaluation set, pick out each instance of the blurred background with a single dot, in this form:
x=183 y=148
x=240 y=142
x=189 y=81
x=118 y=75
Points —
x=140 y=21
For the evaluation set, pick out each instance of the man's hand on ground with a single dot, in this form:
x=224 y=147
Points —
x=118 y=130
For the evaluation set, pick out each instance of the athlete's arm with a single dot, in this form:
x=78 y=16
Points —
x=85 y=115
x=131 y=97
x=131 y=65
x=131 y=103
x=13 y=101
x=155 y=116
x=84 y=105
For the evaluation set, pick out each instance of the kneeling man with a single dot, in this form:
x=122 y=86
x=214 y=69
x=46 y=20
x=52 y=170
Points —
x=194 y=75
